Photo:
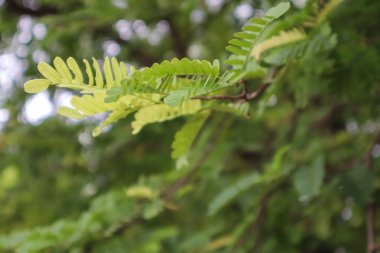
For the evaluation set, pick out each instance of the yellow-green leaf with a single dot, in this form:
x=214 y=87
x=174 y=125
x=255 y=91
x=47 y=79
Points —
x=282 y=39
x=98 y=73
x=116 y=70
x=69 y=112
x=73 y=65
x=62 y=69
x=36 y=85
x=89 y=73
x=49 y=72
x=108 y=73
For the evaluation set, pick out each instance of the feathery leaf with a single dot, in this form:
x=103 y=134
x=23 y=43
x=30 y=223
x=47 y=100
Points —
x=36 y=85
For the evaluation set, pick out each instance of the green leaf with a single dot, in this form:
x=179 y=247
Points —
x=163 y=112
x=232 y=191
x=236 y=50
x=278 y=10
x=69 y=112
x=358 y=184
x=73 y=65
x=152 y=209
x=49 y=72
x=244 y=42
x=108 y=73
x=308 y=179
x=89 y=73
x=283 y=38
x=185 y=137
x=36 y=85
x=62 y=69
x=98 y=73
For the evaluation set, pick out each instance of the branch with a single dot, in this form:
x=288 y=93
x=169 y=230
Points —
x=246 y=95
x=180 y=43
x=258 y=222
x=171 y=190
x=372 y=247
x=371 y=229
x=14 y=6
x=167 y=194
x=88 y=247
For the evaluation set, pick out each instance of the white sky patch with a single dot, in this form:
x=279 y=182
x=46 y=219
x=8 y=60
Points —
x=352 y=127
x=154 y=38
x=194 y=51
x=243 y=11
x=40 y=55
x=140 y=28
x=369 y=127
x=122 y=4
x=163 y=27
x=25 y=25
x=272 y=101
x=37 y=108
x=31 y=4
x=4 y=116
x=25 y=37
x=299 y=3
x=197 y=16
x=39 y=31
x=63 y=98
x=85 y=138
x=214 y=5
x=2 y=2
x=111 y=48
x=89 y=189
x=124 y=29
x=11 y=71
x=347 y=213
x=22 y=51
x=375 y=152
x=158 y=33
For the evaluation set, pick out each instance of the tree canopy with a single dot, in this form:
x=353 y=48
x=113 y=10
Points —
x=190 y=126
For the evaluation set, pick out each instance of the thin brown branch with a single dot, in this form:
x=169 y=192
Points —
x=371 y=229
x=258 y=222
x=88 y=247
x=43 y=10
x=179 y=41
x=245 y=95
x=171 y=190
x=375 y=247
x=372 y=247
x=368 y=157
x=168 y=194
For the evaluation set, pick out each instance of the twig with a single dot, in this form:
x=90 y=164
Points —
x=242 y=96
x=371 y=229
x=168 y=194
x=245 y=94
x=372 y=247
x=170 y=191
x=180 y=43
x=43 y=10
x=258 y=222
x=87 y=248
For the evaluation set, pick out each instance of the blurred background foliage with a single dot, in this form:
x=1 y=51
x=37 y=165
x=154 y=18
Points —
x=297 y=176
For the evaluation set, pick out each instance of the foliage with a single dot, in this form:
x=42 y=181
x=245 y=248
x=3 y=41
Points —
x=279 y=142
